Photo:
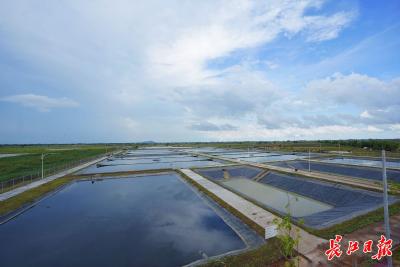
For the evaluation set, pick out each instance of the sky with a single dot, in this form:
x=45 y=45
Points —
x=176 y=71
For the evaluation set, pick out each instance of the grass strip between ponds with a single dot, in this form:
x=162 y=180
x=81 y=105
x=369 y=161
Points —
x=265 y=255
x=32 y=195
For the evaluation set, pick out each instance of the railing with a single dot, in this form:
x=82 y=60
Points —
x=37 y=175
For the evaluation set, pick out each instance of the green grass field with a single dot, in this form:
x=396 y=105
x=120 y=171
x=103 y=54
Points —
x=57 y=157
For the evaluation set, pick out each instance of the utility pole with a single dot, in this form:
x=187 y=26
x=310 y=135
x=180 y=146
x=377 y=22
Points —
x=385 y=202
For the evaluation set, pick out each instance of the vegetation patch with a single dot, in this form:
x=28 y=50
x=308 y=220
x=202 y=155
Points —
x=265 y=255
x=56 y=159
x=32 y=195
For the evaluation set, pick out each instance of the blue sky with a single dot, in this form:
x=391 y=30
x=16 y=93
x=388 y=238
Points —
x=126 y=71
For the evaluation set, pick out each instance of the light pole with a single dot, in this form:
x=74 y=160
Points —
x=385 y=202
x=309 y=160
x=42 y=157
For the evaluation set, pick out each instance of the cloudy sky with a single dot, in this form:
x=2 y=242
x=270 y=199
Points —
x=118 y=71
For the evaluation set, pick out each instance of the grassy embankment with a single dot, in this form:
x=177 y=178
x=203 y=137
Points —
x=30 y=196
x=266 y=255
x=57 y=158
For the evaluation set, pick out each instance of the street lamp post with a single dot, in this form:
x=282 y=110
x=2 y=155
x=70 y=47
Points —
x=42 y=157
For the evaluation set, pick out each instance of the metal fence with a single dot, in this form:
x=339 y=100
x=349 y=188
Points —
x=37 y=174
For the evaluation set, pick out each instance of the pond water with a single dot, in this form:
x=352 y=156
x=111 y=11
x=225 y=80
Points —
x=362 y=162
x=152 y=151
x=347 y=170
x=109 y=166
x=150 y=160
x=276 y=198
x=244 y=154
x=154 y=220
x=261 y=156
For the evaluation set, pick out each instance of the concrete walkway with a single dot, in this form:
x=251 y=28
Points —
x=19 y=190
x=308 y=243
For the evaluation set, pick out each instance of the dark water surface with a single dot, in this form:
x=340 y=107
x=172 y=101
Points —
x=155 y=220
x=148 y=166
x=355 y=171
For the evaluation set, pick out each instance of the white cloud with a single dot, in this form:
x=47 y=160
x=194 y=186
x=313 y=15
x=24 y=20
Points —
x=129 y=124
x=377 y=100
x=254 y=131
x=322 y=28
x=40 y=102
x=371 y=128
x=356 y=89
x=232 y=25
x=153 y=69
x=209 y=126
x=365 y=114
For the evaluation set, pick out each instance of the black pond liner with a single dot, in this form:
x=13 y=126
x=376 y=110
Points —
x=388 y=159
x=347 y=170
x=217 y=173
x=347 y=202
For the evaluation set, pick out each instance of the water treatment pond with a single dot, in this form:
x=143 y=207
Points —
x=362 y=162
x=152 y=220
x=275 y=198
x=355 y=171
x=122 y=165
x=262 y=156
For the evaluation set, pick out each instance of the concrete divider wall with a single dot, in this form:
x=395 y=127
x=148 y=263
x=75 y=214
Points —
x=234 y=171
